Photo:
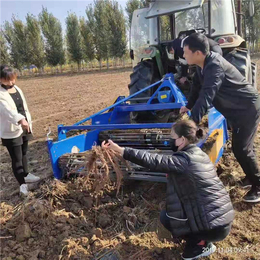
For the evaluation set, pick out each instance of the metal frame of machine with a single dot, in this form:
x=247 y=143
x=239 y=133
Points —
x=117 y=116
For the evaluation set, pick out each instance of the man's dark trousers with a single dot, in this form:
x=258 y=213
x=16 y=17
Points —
x=244 y=131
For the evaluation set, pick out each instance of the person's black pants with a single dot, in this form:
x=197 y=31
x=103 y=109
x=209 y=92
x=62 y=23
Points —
x=212 y=235
x=243 y=145
x=19 y=161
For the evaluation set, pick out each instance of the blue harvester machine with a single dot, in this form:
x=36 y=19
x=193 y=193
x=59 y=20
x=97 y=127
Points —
x=114 y=122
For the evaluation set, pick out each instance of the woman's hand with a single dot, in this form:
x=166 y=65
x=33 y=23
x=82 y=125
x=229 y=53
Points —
x=113 y=146
x=24 y=124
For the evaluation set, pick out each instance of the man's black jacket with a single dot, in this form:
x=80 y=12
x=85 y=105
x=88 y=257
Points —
x=220 y=84
x=196 y=198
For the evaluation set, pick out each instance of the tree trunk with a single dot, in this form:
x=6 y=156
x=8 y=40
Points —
x=100 y=64
x=107 y=64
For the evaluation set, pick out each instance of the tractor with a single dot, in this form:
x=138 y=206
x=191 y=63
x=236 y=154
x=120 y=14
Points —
x=154 y=27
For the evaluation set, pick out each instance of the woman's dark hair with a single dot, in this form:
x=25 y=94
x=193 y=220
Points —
x=7 y=73
x=197 y=42
x=189 y=130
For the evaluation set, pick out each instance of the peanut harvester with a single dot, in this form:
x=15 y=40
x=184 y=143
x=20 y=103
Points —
x=115 y=123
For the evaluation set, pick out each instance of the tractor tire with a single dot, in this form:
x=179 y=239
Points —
x=240 y=58
x=144 y=74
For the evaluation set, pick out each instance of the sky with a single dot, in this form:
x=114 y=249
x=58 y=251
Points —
x=59 y=8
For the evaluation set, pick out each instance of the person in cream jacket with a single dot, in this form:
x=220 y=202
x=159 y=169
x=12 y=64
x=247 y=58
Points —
x=15 y=126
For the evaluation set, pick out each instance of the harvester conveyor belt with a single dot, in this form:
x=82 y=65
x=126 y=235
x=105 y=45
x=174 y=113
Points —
x=140 y=139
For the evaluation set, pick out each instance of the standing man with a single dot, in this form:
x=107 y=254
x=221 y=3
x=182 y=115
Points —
x=218 y=83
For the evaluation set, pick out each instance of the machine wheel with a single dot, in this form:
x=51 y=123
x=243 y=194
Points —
x=144 y=74
x=240 y=58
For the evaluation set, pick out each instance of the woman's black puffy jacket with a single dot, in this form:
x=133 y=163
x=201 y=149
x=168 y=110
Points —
x=196 y=198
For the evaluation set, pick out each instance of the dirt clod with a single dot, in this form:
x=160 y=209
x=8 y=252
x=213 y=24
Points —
x=20 y=250
x=23 y=231
x=30 y=241
x=97 y=232
x=104 y=220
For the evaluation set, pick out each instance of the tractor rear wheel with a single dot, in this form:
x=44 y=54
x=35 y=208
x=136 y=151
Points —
x=144 y=74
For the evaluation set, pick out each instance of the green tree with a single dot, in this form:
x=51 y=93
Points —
x=252 y=23
x=98 y=24
x=52 y=31
x=88 y=40
x=117 y=27
x=35 y=42
x=4 y=55
x=74 y=39
x=16 y=36
x=165 y=28
x=132 y=5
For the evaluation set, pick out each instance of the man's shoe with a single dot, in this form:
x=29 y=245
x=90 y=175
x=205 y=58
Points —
x=253 y=195
x=24 y=189
x=31 y=178
x=245 y=183
x=197 y=251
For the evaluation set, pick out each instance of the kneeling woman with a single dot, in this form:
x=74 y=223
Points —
x=198 y=207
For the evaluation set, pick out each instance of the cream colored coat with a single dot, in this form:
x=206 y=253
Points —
x=9 y=116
